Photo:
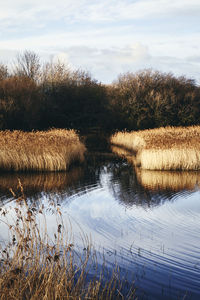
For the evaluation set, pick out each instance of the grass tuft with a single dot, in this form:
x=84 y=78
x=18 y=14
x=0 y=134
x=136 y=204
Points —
x=52 y=150
x=166 y=148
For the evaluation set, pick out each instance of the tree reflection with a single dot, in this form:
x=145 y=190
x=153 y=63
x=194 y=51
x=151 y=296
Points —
x=129 y=185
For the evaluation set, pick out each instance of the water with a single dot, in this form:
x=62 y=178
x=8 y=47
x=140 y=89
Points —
x=147 y=222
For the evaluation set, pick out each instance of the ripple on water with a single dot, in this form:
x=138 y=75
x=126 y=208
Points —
x=148 y=222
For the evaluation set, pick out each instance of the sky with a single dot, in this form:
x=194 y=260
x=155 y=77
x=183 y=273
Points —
x=107 y=37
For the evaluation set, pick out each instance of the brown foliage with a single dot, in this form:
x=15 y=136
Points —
x=34 y=265
x=149 y=99
x=169 y=148
x=53 y=150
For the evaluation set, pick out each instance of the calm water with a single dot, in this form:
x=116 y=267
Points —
x=147 y=222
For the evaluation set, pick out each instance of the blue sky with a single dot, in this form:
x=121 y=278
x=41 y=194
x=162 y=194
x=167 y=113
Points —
x=106 y=37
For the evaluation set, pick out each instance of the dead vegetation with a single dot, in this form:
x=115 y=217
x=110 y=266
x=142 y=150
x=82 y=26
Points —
x=166 y=148
x=38 y=265
x=52 y=150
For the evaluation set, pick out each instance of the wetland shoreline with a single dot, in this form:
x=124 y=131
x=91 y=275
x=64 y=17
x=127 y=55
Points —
x=51 y=150
x=165 y=148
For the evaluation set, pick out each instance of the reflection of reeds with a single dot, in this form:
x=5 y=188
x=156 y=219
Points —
x=170 y=148
x=122 y=152
x=52 y=150
x=46 y=181
x=35 y=266
x=175 y=181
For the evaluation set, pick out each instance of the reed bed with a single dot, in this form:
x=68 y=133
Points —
x=160 y=180
x=166 y=148
x=34 y=265
x=52 y=150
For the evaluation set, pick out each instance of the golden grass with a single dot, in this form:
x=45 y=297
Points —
x=34 y=265
x=170 y=159
x=122 y=152
x=169 y=148
x=160 y=180
x=130 y=141
x=52 y=150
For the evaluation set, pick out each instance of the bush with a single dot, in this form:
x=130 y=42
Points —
x=149 y=99
x=56 y=96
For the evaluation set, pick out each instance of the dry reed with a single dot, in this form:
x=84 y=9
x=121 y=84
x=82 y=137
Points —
x=169 y=148
x=52 y=150
x=160 y=180
x=36 y=266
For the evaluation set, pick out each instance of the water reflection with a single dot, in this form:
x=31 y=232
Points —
x=35 y=184
x=132 y=186
x=165 y=180
x=149 y=222
x=129 y=185
x=160 y=180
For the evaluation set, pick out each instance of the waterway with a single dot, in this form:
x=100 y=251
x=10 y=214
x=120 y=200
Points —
x=146 y=222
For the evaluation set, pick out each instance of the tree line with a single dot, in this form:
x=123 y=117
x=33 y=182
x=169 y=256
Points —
x=37 y=97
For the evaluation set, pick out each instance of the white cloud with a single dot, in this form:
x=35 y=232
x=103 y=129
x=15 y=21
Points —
x=105 y=37
x=61 y=57
x=20 y=11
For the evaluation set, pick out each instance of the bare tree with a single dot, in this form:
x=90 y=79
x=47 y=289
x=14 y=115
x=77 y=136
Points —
x=28 y=65
x=56 y=72
x=3 y=71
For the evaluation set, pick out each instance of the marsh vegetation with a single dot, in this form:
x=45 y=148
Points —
x=142 y=219
x=120 y=226
x=52 y=150
x=169 y=148
x=35 y=264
